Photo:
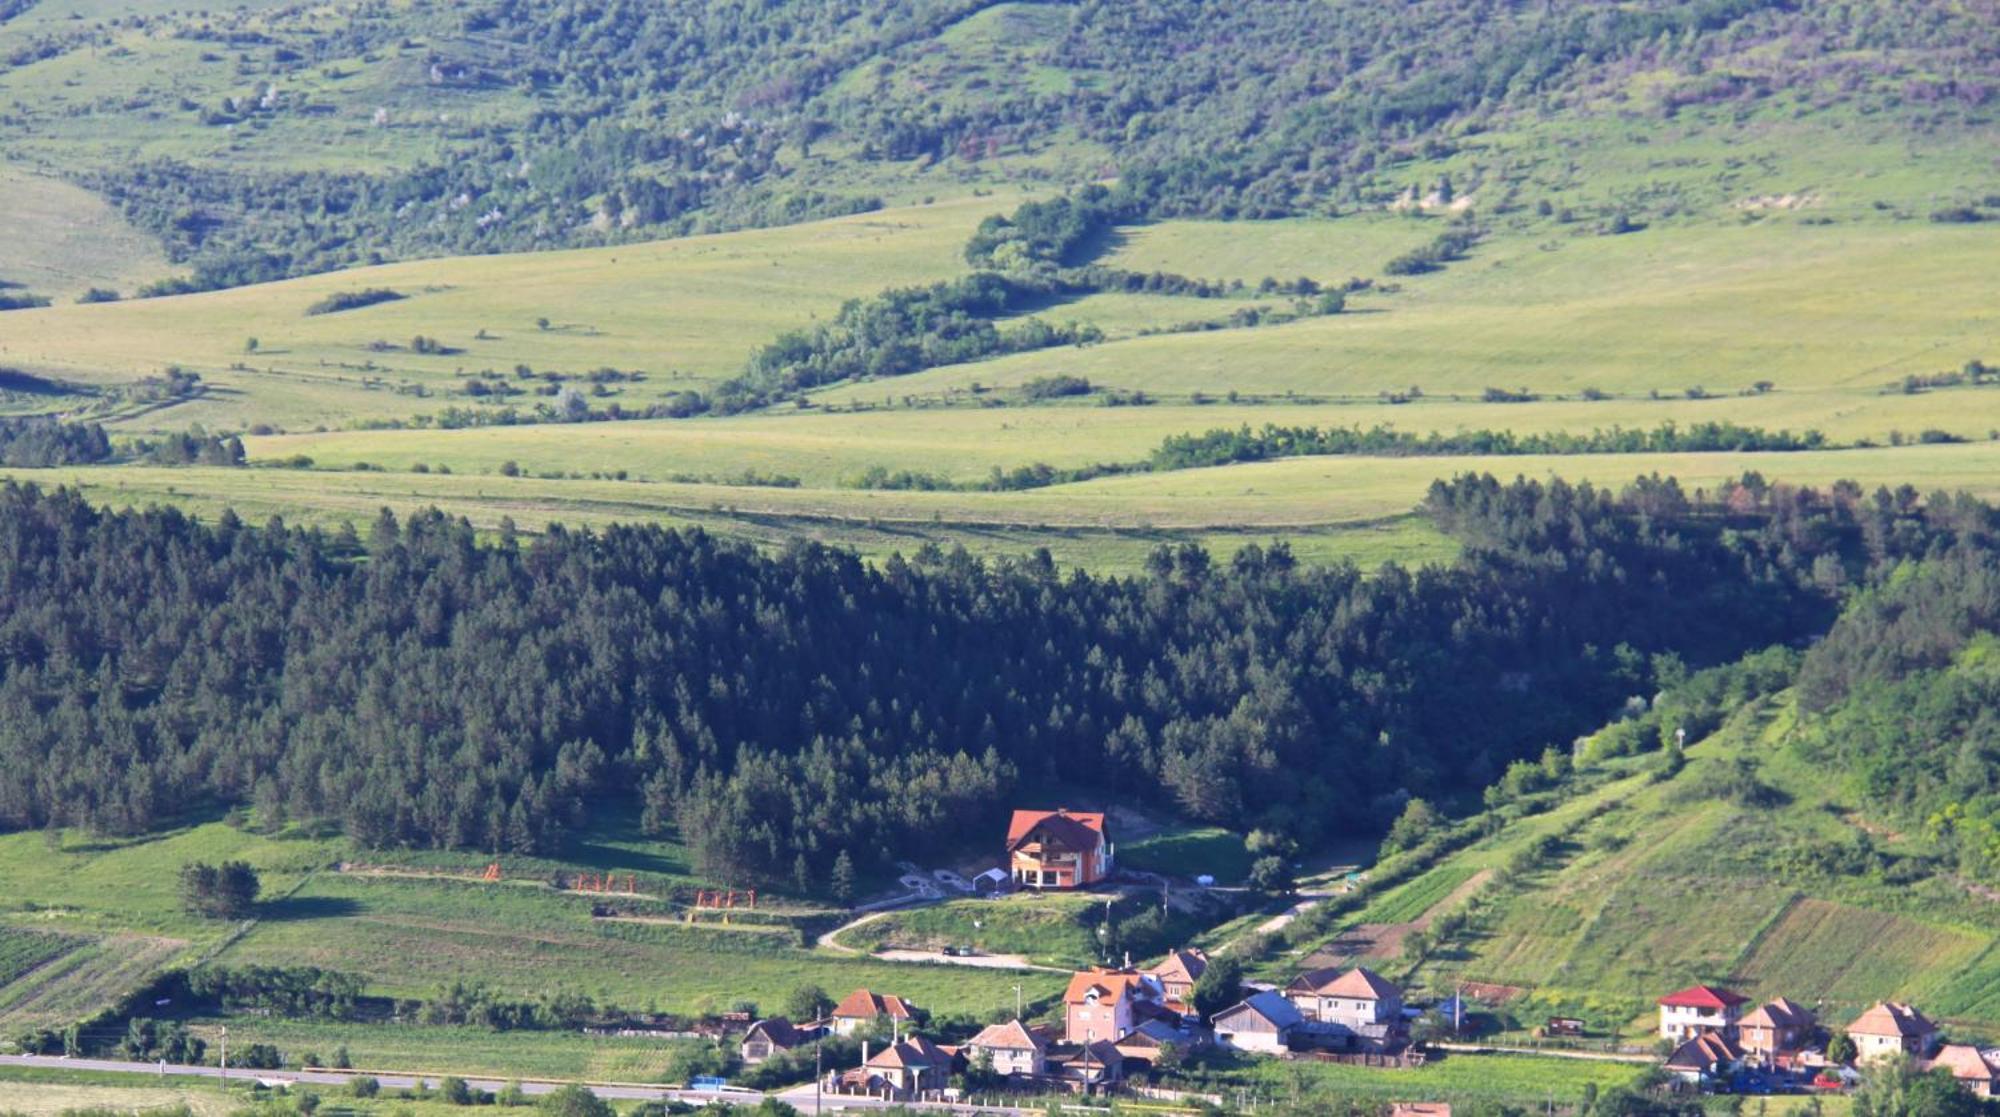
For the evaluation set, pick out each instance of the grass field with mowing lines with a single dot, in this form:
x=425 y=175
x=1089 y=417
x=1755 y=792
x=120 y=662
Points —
x=1849 y=954
x=1409 y=901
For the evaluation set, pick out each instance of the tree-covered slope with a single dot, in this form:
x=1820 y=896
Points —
x=421 y=689
x=265 y=140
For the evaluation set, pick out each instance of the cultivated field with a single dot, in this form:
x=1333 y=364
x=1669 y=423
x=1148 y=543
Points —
x=1650 y=891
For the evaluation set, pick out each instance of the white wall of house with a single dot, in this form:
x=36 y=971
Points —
x=1255 y=1042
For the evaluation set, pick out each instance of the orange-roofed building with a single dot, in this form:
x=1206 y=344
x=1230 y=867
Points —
x=1058 y=849
x=1776 y=1031
x=1698 y=1009
x=862 y=1008
x=1102 y=1004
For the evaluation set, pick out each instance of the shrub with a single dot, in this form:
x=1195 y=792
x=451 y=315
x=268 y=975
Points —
x=354 y=300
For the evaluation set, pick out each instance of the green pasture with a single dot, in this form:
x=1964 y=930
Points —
x=1057 y=929
x=410 y=937
x=62 y=240
x=462 y=1050
x=1460 y=1078
x=1849 y=307
x=684 y=312
x=1187 y=852
x=1328 y=507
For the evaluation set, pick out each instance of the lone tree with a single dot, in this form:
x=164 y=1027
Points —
x=1219 y=986
x=227 y=891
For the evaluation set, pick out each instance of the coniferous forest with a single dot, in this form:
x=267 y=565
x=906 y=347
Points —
x=420 y=688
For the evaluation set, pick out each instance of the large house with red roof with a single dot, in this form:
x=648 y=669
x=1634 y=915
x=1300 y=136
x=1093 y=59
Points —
x=1104 y=1004
x=1698 y=1009
x=1058 y=849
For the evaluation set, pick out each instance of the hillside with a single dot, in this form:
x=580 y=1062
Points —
x=1776 y=861
x=261 y=140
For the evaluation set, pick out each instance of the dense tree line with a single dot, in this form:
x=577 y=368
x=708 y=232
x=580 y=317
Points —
x=901 y=331
x=39 y=442
x=422 y=689
x=1222 y=446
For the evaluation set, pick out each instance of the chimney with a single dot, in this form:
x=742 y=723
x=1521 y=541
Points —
x=864 y=1052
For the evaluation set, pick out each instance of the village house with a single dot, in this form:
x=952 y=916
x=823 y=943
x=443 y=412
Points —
x=775 y=1035
x=1013 y=1047
x=1976 y=1070
x=1358 y=1009
x=1261 y=1023
x=1891 y=1029
x=1058 y=849
x=1087 y=1067
x=1698 y=1009
x=1776 y=1033
x=862 y=1009
x=1142 y=1045
x=1104 y=1004
x=1704 y=1056
x=1177 y=974
x=911 y=1069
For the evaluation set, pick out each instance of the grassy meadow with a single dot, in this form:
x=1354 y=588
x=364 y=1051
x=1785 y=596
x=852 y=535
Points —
x=684 y=312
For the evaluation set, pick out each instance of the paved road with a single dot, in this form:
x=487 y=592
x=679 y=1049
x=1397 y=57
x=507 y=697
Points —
x=801 y=1096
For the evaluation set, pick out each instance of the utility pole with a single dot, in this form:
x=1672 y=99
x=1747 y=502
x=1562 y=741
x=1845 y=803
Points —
x=225 y=1058
x=819 y=1076
x=1017 y=1000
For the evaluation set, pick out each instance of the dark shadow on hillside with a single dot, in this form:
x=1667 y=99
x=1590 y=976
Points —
x=613 y=857
x=28 y=384
x=295 y=908
x=1097 y=245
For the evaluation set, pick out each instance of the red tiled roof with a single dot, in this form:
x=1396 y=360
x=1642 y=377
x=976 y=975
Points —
x=1891 y=1019
x=1081 y=829
x=863 y=1005
x=1112 y=985
x=1011 y=1036
x=1704 y=996
x=913 y=1052
x=1780 y=1013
